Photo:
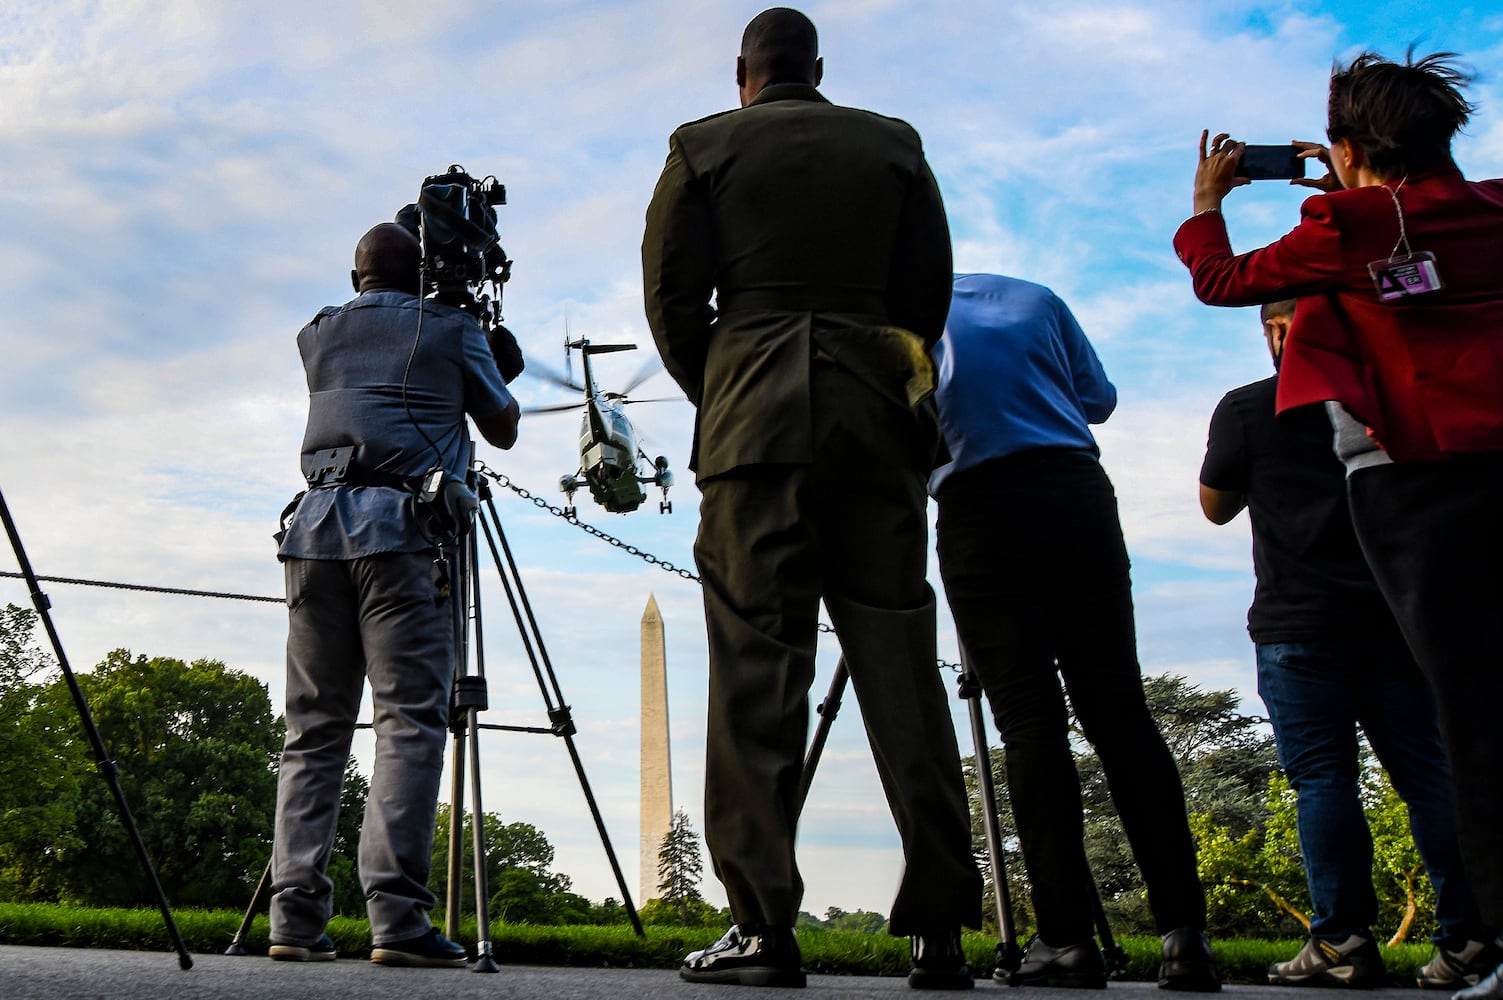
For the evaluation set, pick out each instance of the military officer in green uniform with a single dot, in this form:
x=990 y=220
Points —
x=819 y=232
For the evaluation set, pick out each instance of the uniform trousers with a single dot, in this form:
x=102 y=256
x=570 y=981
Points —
x=851 y=527
x=1036 y=572
x=349 y=621
x=1432 y=532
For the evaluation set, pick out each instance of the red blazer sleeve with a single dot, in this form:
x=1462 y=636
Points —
x=1306 y=260
x=1322 y=359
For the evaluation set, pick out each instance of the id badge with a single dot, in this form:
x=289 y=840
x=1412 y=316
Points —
x=1403 y=276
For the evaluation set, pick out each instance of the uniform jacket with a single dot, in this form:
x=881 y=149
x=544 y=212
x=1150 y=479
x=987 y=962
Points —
x=1424 y=373
x=814 y=227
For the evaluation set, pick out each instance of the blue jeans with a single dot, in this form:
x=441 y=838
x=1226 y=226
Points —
x=1317 y=694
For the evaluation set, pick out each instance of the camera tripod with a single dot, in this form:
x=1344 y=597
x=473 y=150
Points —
x=1009 y=953
x=468 y=700
x=106 y=766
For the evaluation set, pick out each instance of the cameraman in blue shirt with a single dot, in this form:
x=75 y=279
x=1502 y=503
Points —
x=391 y=377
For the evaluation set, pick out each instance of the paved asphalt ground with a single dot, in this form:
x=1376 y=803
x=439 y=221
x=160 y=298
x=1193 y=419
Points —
x=67 y=974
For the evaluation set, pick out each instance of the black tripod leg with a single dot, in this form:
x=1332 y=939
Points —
x=454 y=897
x=827 y=710
x=237 y=945
x=559 y=716
x=1112 y=953
x=483 y=960
x=605 y=840
x=471 y=697
x=102 y=761
x=1009 y=955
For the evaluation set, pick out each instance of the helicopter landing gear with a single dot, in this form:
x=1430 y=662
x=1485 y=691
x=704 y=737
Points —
x=569 y=484
x=663 y=479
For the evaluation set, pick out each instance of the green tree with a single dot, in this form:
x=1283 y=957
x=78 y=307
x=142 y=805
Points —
x=38 y=787
x=661 y=913
x=1406 y=899
x=1254 y=878
x=806 y=921
x=21 y=657
x=859 y=922
x=195 y=745
x=520 y=887
x=1012 y=852
x=1224 y=758
x=609 y=911
x=680 y=870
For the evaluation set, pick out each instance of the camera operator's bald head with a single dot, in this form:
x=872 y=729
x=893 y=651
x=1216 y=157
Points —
x=779 y=45
x=388 y=257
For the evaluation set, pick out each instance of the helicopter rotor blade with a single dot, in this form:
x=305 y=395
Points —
x=647 y=371
x=606 y=348
x=656 y=399
x=555 y=408
x=546 y=374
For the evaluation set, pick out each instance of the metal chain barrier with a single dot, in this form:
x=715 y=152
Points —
x=504 y=480
x=501 y=479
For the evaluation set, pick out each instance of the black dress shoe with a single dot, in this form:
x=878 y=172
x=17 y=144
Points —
x=748 y=955
x=939 y=962
x=1489 y=988
x=1188 y=964
x=1075 y=966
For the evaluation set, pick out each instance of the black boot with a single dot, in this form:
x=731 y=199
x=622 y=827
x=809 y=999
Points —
x=939 y=962
x=1075 y=966
x=748 y=955
x=1188 y=964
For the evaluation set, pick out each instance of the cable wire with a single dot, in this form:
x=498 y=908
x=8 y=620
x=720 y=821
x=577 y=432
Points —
x=155 y=590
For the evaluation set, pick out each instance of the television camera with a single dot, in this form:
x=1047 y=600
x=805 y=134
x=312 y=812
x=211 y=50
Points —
x=464 y=264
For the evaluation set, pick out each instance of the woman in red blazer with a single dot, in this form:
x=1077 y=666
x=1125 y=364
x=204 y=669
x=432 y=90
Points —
x=1398 y=332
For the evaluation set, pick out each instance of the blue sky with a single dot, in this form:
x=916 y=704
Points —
x=185 y=182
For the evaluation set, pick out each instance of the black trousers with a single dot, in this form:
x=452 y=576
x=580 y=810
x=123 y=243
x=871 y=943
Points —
x=1433 y=534
x=1036 y=571
x=773 y=540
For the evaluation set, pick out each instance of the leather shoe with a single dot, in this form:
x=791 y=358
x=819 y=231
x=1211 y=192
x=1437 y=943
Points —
x=1489 y=988
x=939 y=962
x=1188 y=963
x=1075 y=966
x=748 y=955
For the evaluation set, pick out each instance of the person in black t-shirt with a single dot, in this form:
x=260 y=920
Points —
x=1330 y=658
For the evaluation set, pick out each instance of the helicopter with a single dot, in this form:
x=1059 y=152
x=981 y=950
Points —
x=611 y=463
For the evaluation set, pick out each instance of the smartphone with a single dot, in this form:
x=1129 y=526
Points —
x=1271 y=163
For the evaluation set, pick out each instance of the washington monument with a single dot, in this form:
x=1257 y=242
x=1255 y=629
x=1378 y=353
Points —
x=657 y=775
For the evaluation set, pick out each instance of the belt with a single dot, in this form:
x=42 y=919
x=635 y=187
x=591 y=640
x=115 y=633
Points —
x=800 y=300
x=335 y=467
